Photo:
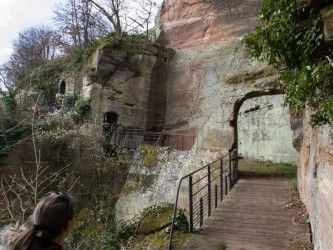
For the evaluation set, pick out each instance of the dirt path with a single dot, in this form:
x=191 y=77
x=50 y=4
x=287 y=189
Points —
x=253 y=216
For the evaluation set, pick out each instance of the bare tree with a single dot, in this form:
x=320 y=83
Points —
x=4 y=78
x=19 y=193
x=35 y=46
x=127 y=16
x=144 y=11
x=79 y=23
x=115 y=11
x=32 y=48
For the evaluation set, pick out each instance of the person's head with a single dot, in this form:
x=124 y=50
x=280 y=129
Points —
x=51 y=220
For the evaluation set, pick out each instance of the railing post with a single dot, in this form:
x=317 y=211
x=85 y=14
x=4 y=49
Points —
x=209 y=193
x=236 y=165
x=234 y=159
x=190 y=202
x=226 y=184
x=201 y=212
x=221 y=179
x=229 y=170
x=215 y=196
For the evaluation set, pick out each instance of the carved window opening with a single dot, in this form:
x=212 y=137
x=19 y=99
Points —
x=111 y=118
x=62 y=87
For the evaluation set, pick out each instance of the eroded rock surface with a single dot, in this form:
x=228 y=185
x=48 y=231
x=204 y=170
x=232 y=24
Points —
x=146 y=186
x=132 y=86
x=208 y=79
x=327 y=17
x=264 y=130
x=316 y=181
x=210 y=70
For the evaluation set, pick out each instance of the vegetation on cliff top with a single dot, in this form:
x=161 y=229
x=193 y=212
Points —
x=296 y=48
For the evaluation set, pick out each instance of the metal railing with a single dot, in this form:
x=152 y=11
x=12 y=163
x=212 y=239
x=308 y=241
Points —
x=206 y=188
x=131 y=138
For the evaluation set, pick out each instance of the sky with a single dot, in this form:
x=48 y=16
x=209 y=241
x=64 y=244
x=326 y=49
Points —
x=17 y=15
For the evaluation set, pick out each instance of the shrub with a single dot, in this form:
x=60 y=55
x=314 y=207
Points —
x=292 y=46
x=82 y=106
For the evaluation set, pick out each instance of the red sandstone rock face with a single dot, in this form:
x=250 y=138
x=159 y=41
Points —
x=315 y=178
x=198 y=23
x=205 y=36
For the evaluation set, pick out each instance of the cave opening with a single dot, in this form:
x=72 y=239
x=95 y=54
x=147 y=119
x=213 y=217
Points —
x=111 y=118
x=62 y=87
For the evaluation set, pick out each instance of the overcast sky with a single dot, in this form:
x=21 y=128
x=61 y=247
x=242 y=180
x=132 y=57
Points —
x=17 y=15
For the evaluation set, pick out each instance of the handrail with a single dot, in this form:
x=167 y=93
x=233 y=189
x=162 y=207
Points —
x=233 y=167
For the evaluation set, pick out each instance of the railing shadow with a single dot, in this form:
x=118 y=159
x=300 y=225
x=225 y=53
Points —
x=132 y=138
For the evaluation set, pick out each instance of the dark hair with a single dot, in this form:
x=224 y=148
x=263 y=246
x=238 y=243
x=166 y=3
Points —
x=50 y=218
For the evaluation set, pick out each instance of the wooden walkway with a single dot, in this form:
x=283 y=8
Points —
x=252 y=216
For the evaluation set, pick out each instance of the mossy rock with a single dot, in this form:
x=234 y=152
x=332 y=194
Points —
x=326 y=9
x=155 y=221
x=152 y=233
x=142 y=181
x=131 y=44
x=128 y=190
x=251 y=77
x=159 y=240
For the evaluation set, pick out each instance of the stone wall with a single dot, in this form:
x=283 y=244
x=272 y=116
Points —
x=315 y=175
x=264 y=131
x=148 y=186
x=315 y=179
x=22 y=156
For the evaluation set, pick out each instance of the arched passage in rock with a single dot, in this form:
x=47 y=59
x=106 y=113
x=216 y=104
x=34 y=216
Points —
x=261 y=127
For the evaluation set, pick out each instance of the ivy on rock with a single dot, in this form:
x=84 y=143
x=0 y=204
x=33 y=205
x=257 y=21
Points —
x=296 y=48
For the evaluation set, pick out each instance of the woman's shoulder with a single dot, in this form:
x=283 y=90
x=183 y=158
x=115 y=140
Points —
x=40 y=244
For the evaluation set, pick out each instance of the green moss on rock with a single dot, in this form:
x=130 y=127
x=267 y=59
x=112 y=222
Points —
x=155 y=220
x=152 y=231
x=132 y=44
x=144 y=181
x=326 y=9
x=251 y=77
x=129 y=190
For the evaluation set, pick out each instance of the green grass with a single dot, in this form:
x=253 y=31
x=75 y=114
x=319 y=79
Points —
x=268 y=169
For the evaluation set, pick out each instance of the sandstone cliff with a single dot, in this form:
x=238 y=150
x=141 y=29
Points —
x=315 y=173
x=315 y=179
x=129 y=83
x=208 y=79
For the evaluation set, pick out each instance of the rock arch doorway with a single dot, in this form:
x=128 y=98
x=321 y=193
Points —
x=262 y=128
